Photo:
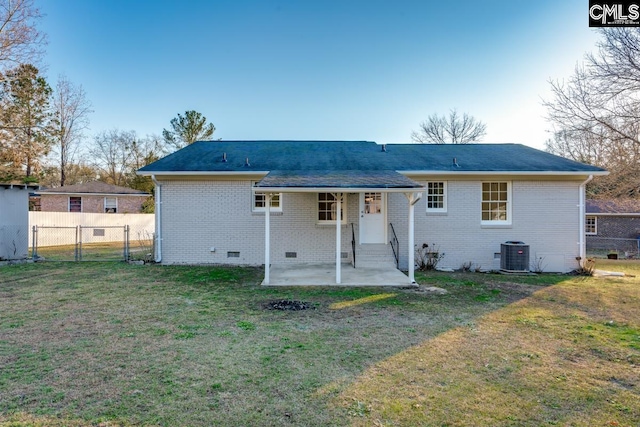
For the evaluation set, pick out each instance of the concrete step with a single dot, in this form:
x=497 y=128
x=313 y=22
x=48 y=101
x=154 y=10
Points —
x=375 y=264
x=374 y=255
x=373 y=249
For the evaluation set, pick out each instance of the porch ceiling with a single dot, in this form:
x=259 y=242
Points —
x=344 y=180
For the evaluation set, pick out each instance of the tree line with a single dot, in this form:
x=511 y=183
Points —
x=43 y=129
x=595 y=113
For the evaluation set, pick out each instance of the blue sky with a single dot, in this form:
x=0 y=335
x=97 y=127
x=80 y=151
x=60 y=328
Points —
x=336 y=70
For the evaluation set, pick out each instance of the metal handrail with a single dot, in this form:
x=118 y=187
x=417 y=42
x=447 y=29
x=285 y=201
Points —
x=395 y=246
x=353 y=245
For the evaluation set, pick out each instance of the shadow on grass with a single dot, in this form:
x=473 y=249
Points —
x=566 y=355
x=186 y=345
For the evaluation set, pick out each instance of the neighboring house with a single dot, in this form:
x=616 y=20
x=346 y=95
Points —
x=92 y=197
x=613 y=225
x=463 y=200
x=14 y=221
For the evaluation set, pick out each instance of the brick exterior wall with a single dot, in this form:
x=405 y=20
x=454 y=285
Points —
x=200 y=215
x=545 y=215
x=621 y=227
x=615 y=233
x=90 y=204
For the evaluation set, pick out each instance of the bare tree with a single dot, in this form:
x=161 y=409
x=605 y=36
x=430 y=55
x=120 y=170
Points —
x=454 y=129
x=620 y=157
x=188 y=129
x=20 y=40
x=144 y=151
x=603 y=92
x=72 y=110
x=77 y=173
x=596 y=114
x=112 y=152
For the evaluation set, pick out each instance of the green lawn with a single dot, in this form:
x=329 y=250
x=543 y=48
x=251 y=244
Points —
x=115 y=344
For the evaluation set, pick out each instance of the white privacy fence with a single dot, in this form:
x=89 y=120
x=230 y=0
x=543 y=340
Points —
x=102 y=226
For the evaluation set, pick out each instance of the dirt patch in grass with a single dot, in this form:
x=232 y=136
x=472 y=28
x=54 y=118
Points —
x=287 y=305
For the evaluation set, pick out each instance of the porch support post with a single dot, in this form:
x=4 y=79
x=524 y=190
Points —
x=267 y=237
x=338 y=197
x=413 y=199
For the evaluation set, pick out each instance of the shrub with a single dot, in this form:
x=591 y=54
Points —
x=427 y=258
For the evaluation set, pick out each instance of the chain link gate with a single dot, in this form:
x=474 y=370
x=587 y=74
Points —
x=81 y=243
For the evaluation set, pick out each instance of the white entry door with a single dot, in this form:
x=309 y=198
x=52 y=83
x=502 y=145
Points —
x=373 y=217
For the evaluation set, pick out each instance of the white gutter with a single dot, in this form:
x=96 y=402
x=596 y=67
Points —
x=582 y=245
x=501 y=172
x=203 y=173
x=403 y=172
x=158 y=210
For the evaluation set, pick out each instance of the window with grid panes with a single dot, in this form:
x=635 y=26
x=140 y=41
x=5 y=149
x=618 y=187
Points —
x=327 y=208
x=495 y=202
x=591 y=225
x=436 y=196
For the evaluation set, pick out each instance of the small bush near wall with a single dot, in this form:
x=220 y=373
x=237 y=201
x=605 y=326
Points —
x=427 y=257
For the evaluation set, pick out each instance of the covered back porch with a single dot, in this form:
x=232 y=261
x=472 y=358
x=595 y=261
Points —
x=372 y=187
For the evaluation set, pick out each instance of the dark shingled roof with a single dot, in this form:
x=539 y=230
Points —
x=95 y=187
x=337 y=179
x=332 y=156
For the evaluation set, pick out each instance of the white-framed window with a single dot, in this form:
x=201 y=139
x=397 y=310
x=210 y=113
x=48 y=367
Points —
x=373 y=203
x=496 y=203
x=327 y=209
x=591 y=224
x=259 y=202
x=110 y=205
x=75 y=204
x=436 y=196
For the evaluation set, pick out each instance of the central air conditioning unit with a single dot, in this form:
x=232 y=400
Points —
x=514 y=257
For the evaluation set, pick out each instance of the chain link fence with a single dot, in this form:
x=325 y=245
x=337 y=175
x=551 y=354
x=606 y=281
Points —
x=613 y=247
x=91 y=243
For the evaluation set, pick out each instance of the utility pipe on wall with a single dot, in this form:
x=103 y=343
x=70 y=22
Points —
x=267 y=238
x=582 y=206
x=158 y=212
x=338 y=197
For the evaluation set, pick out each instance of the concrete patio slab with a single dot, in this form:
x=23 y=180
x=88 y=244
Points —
x=325 y=275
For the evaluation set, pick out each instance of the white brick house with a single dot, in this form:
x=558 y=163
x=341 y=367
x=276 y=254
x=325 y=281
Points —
x=465 y=200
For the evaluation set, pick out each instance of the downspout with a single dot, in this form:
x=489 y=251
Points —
x=158 y=210
x=583 y=248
